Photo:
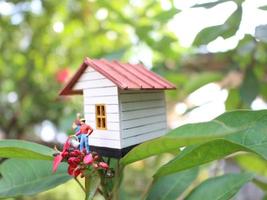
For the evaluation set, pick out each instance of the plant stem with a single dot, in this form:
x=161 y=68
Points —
x=105 y=192
x=79 y=183
x=117 y=180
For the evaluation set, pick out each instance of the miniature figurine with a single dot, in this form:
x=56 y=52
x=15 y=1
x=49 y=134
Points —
x=83 y=133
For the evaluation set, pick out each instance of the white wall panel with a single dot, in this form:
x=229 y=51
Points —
x=135 y=114
x=105 y=143
x=142 y=138
x=143 y=129
x=143 y=116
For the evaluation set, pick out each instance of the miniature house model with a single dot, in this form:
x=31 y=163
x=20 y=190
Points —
x=123 y=103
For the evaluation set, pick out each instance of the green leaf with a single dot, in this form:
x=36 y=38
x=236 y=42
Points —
x=201 y=79
x=220 y=188
x=254 y=134
x=28 y=177
x=261 y=184
x=241 y=130
x=209 y=34
x=172 y=186
x=253 y=138
x=233 y=100
x=256 y=164
x=263 y=7
x=209 y=5
x=199 y=154
x=226 y=30
x=179 y=137
x=232 y=23
x=25 y=149
x=166 y=15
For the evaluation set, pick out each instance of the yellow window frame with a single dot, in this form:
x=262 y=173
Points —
x=101 y=119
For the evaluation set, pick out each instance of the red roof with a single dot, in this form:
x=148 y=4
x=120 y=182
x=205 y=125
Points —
x=126 y=76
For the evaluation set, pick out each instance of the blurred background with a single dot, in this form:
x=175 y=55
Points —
x=214 y=51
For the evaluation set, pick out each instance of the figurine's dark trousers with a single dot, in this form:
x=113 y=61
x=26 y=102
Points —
x=84 y=143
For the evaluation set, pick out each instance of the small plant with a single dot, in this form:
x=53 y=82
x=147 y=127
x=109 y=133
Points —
x=227 y=135
x=84 y=165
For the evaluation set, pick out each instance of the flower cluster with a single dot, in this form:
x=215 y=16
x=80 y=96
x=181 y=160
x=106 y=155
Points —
x=79 y=162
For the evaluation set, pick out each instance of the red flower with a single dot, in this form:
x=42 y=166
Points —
x=62 y=155
x=57 y=161
x=88 y=159
x=66 y=145
x=74 y=170
x=74 y=160
x=78 y=160
x=62 y=75
x=75 y=153
x=65 y=154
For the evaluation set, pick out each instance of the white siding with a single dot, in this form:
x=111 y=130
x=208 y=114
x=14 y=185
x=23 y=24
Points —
x=143 y=116
x=92 y=79
x=99 y=90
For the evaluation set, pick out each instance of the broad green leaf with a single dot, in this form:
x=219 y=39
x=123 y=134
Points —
x=210 y=4
x=172 y=186
x=232 y=23
x=249 y=88
x=24 y=149
x=254 y=136
x=256 y=164
x=28 y=177
x=220 y=188
x=209 y=34
x=199 y=80
x=199 y=154
x=225 y=30
x=243 y=130
x=252 y=139
x=261 y=184
x=179 y=137
x=263 y=7
x=233 y=100
x=166 y=15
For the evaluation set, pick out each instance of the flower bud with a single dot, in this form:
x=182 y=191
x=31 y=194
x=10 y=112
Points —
x=74 y=160
x=88 y=159
x=103 y=165
x=65 y=154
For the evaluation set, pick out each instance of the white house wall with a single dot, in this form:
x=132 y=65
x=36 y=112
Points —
x=92 y=79
x=99 y=90
x=143 y=115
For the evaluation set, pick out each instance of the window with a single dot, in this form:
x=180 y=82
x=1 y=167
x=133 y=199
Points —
x=100 y=111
